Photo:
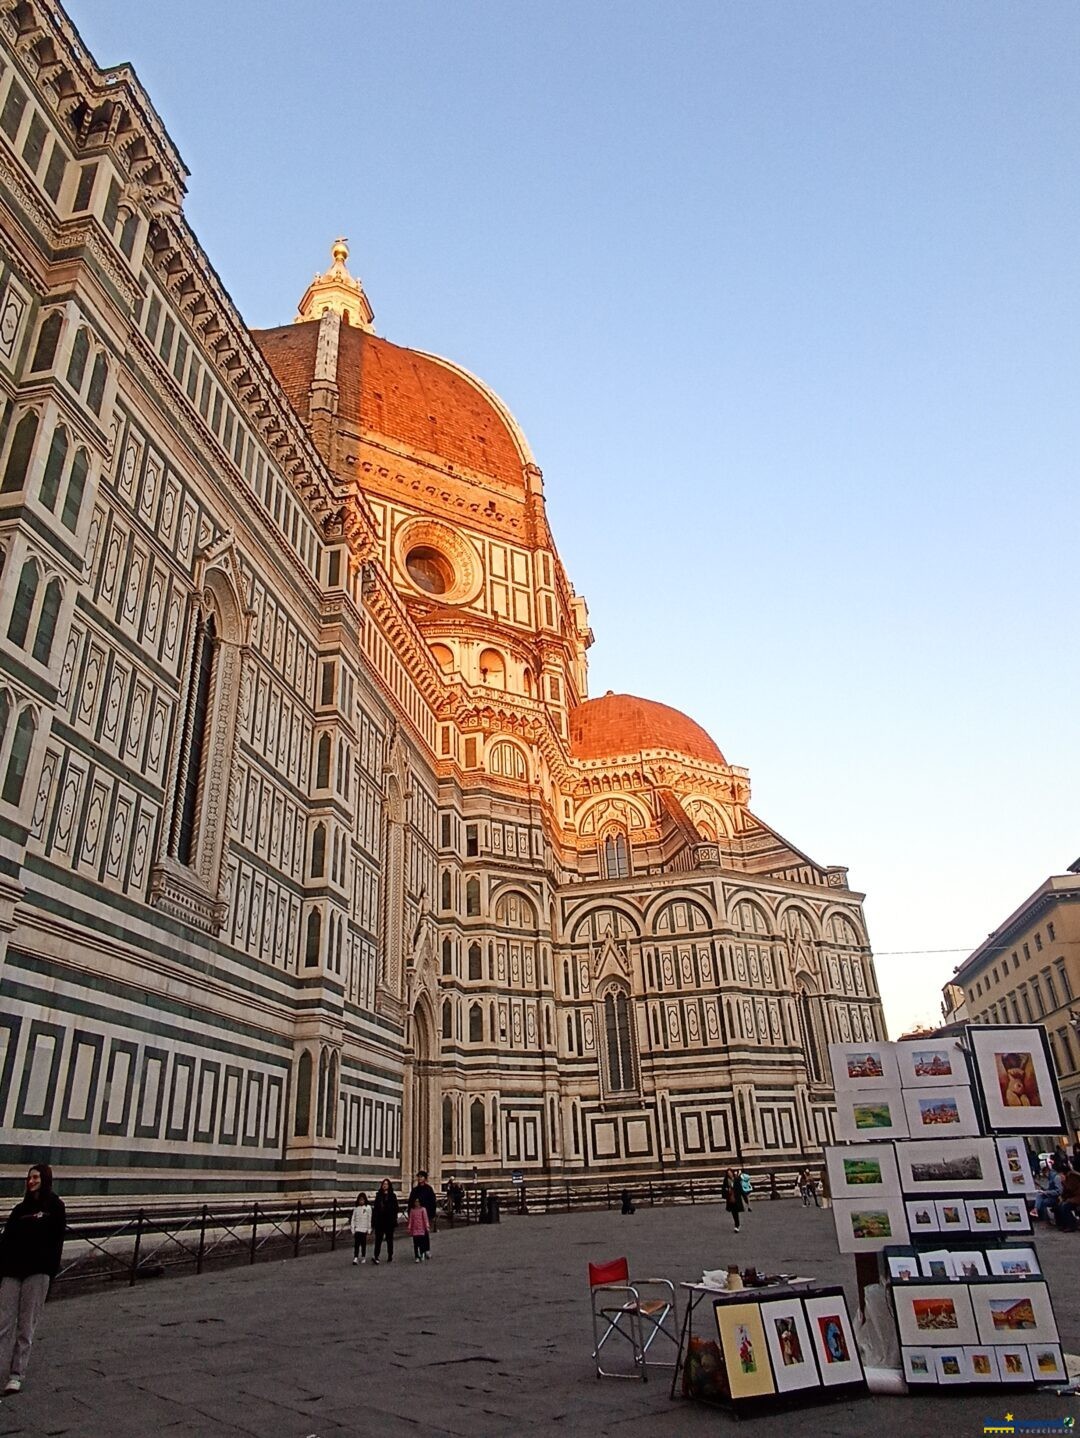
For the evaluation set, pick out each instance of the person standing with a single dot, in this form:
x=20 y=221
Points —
x=30 y=1250
x=361 y=1227
x=733 y=1196
x=746 y=1186
x=419 y=1227
x=384 y=1216
x=423 y=1191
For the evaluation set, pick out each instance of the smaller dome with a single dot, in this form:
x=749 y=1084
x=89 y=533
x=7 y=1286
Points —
x=621 y=724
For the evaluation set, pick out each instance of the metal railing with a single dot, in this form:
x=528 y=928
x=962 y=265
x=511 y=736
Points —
x=109 y=1245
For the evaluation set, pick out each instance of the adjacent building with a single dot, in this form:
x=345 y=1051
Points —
x=317 y=860
x=1028 y=971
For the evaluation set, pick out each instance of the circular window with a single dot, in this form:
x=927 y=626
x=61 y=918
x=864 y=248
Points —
x=436 y=560
x=429 y=570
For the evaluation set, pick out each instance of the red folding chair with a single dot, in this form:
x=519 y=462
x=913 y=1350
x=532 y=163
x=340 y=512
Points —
x=618 y=1303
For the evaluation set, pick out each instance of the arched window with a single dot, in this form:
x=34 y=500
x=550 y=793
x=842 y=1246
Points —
x=447 y=956
x=330 y=1098
x=569 y=1033
x=196 y=728
x=476 y=1024
x=476 y=962
x=472 y=897
x=48 y=335
x=22 y=442
x=54 y=467
x=73 y=499
x=320 y=1102
x=492 y=668
x=322 y=763
x=447 y=1019
x=618 y=1041
x=616 y=855
x=547 y=1027
x=447 y=1125
x=477 y=1136
x=810 y=1036
x=527 y=680
x=302 y=1122
x=313 y=941
x=96 y=393
x=19 y=757
x=318 y=851
x=23 y=607
x=5 y=715
x=443 y=657
x=508 y=761
x=50 y=610
x=445 y=890
x=80 y=353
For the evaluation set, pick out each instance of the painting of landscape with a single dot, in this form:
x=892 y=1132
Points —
x=862 y=1170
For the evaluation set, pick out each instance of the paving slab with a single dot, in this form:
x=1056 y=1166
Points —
x=489 y=1339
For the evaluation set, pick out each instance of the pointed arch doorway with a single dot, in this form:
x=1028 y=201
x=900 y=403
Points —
x=421 y=1138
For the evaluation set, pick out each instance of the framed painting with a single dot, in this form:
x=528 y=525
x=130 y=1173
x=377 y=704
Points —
x=863 y=1066
x=935 y=1315
x=951 y=1215
x=1047 y=1364
x=948 y=1166
x=1014 y=1070
x=746 y=1357
x=862 y=1171
x=1013 y=1215
x=1015 y=1166
x=1014 y=1365
x=982 y=1215
x=941 y=1113
x=834 y=1342
x=982 y=1364
x=1016 y=1311
x=863 y=1225
x=937 y=1263
x=919 y=1365
x=904 y=1267
x=865 y=1114
x=932 y=1063
x=968 y=1264
x=951 y=1365
x=791 y=1348
x=1013 y=1262
x=921 y=1216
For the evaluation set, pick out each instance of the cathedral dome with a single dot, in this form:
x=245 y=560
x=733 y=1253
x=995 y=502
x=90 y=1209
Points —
x=388 y=391
x=617 y=725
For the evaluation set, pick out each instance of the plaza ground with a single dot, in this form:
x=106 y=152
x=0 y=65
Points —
x=490 y=1339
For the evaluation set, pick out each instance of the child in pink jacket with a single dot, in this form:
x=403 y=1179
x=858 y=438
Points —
x=419 y=1227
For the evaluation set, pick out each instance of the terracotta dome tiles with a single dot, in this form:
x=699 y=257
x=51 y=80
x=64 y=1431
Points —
x=401 y=395
x=621 y=724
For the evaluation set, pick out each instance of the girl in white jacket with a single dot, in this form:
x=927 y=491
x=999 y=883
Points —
x=361 y=1227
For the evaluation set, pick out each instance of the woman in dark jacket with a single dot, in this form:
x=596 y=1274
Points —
x=384 y=1214
x=731 y=1189
x=30 y=1251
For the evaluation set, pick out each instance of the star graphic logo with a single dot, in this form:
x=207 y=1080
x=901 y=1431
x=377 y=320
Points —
x=1008 y=1418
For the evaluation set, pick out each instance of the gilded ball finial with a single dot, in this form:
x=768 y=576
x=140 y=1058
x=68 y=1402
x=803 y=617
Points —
x=340 y=250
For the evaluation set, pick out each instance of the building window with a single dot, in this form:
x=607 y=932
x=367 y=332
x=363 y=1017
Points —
x=477 y=1137
x=445 y=890
x=472 y=842
x=1050 y=932
x=616 y=856
x=476 y=1024
x=1051 y=991
x=444 y=831
x=318 y=851
x=195 y=727
x=313 y=941
x=476 y=968
x=1067 y=1050
x=447 y=1125
x=447 y=1020
x=472 y=898
x=54 y=467
x=19 y=758
x=22 y=445
x=302 y=1123
x=618 y=1042
x=1036 y=993
x=507 y=761
x=50 y=611
x=80 y=353
x=1063 y=980
x=1038 y=942
x=73 y=498
x=23 y=606
x=48 y=336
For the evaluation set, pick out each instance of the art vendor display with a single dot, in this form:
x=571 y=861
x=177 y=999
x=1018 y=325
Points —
x=789 y=1347
x=935 y=1176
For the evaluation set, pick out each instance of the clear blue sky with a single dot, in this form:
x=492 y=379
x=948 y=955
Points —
x=785 y=296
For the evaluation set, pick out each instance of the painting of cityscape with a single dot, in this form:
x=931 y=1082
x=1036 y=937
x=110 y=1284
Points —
x=932 y=1063
x=949 y=1166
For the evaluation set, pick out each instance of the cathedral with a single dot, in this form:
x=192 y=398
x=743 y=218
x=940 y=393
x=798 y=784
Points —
x=318 y=863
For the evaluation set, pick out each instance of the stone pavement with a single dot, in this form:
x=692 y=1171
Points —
x=489 y=1339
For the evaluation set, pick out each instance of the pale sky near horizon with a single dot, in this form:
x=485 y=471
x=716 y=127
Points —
x=785 y=298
